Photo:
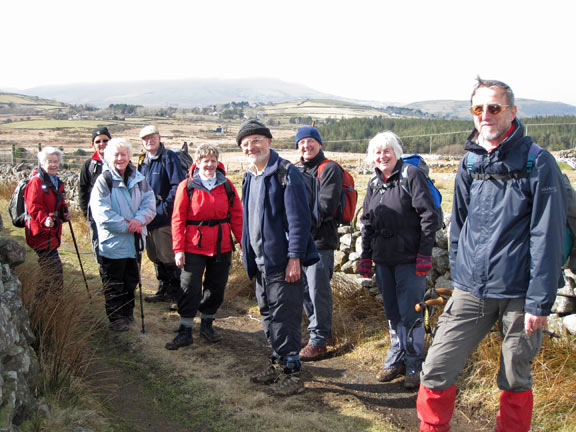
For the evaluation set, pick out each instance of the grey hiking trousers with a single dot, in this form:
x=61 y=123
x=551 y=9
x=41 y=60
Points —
x=465 y=322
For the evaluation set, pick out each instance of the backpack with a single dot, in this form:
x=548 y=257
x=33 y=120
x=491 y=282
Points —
x=183 y=156
x=311 y=183
x=348 y=195
x=569 y=249
x=17 y=205
x=419 y=162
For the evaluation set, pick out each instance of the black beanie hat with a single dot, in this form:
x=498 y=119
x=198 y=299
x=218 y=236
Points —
x=252 y=127
x=100 y=131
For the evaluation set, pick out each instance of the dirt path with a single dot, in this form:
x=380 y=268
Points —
x=337 y=387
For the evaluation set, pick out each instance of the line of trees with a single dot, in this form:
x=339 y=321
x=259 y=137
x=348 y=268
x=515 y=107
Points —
x=436 y=135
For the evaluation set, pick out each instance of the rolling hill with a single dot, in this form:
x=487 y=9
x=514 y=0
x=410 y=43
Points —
x=457 y=109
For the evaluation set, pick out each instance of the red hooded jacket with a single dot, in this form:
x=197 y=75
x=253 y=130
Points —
x=205 y=205
x=41 y=202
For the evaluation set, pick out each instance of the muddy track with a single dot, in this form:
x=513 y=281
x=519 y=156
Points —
x=333 y=383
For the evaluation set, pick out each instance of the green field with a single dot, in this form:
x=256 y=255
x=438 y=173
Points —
x=51 y=124
x=7 y=98
x=320 y=108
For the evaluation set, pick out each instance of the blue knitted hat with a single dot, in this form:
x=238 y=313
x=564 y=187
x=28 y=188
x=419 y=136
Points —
x=308 y=132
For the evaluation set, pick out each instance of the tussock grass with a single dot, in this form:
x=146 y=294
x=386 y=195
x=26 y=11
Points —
x=63 y=323
x=357 y=315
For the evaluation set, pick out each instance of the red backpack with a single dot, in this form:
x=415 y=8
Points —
x=348 y=195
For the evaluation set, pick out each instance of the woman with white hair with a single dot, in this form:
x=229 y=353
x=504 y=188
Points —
x=399 y=226
x=45 y=204
x=122 y=204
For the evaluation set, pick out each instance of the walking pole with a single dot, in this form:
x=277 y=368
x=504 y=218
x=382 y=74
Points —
x=139 y=248
x=80 y=260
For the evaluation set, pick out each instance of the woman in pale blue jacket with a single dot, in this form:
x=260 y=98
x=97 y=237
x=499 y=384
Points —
x=122 y=204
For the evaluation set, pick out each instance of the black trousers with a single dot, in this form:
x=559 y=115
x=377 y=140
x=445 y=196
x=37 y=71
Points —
x=119 y=277
x=51 y=272
x=192 y=298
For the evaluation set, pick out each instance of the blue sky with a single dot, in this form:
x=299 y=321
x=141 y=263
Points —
x=400 y=51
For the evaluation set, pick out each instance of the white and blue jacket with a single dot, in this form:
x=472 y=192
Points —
x=111 y=207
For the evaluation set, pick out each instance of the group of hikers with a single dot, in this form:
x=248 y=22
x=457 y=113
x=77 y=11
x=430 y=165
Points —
x=506 y=237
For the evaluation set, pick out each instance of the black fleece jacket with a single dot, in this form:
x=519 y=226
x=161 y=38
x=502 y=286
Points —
x=326 y=235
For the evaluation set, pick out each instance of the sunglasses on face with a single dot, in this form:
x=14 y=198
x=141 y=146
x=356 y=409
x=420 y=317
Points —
x=101 y=141
x=492 y=109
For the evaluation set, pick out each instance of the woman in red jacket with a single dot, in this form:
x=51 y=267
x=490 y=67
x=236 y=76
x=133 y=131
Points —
x=45 y=204
x=207 y=210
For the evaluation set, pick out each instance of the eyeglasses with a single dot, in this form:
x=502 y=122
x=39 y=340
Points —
x=253 y=141
x=101 y=141
x=492 y=109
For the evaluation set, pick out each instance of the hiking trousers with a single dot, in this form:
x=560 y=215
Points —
x=120 y=278
x=465 y=322
x=203 y=296
x=401 y=290
x=51 y=275
x=280 y=304
x=318 y=298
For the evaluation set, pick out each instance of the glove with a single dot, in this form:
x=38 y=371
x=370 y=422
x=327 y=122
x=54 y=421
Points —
x=364 y=267
x=423 y=264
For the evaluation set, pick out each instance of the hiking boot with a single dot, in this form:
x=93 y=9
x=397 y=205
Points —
x=182 y=339
x=412 y=381
x=118 y=326
x=268 y=375
x=208 y=332
x=305 y=341
x=157 y=298
x=388 y=374
x=312 y=353
x=287 y=384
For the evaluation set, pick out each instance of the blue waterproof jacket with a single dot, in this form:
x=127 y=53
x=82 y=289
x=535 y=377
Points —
x=286 y=221
x=507 y=236
x=111 y=207
x=163 y=173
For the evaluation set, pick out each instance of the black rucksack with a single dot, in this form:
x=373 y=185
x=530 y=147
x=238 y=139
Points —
x=182 y=154
x=17 y=205
x=184 y=157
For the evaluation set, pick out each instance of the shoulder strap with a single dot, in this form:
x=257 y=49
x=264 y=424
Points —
x=189 y=188
x=108 y=178
x=229 y=193
x=282 y=172
x=534 y=151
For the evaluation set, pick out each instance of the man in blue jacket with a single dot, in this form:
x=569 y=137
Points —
x=276 y=244
x=506 y=241
x=163 y=171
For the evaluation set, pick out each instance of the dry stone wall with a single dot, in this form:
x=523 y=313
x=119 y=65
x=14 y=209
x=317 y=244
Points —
x=18 y=361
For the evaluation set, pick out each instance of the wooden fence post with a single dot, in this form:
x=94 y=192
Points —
x=13 y=153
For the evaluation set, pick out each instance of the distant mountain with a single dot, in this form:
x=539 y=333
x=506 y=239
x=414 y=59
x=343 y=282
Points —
x=177 y=93
x=460 y=109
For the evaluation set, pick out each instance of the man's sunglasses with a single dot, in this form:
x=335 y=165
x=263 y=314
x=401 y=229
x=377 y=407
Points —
x=105 y=140
x=492 y=109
